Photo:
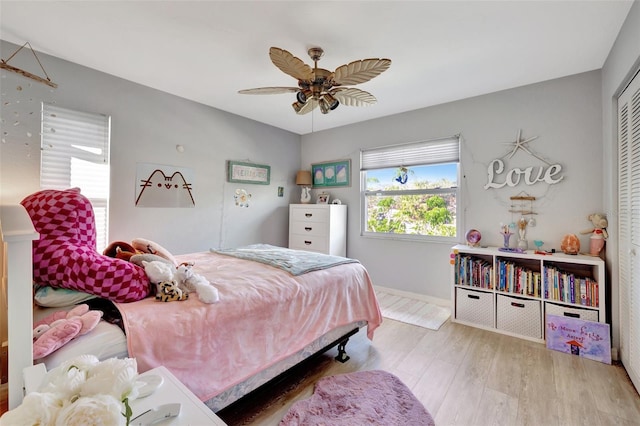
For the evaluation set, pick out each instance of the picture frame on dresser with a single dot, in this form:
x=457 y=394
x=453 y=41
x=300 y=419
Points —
x=323 y=198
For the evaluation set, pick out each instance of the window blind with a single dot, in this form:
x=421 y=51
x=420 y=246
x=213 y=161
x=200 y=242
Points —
x=75 y=153
x=446 y=150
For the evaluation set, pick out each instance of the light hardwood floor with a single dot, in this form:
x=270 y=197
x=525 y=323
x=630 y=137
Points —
x=466 y=376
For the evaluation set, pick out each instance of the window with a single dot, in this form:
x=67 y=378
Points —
x=411 y=189
x=75 y=153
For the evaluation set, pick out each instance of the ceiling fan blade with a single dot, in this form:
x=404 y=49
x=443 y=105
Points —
x=308 y=107
x=350 y=96
x=289 y=64
x=269 y=90
x=358 y=72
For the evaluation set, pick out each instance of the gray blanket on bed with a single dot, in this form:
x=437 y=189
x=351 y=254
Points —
x=296 y=262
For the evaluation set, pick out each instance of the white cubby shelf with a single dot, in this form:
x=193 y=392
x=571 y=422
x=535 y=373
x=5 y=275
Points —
x=511 y=293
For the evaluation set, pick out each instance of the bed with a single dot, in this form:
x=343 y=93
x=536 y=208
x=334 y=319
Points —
x=267 y=320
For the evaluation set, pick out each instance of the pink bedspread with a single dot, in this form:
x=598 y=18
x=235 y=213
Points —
x=264 y=315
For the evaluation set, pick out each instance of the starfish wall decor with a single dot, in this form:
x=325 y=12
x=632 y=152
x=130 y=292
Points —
x=522 y=144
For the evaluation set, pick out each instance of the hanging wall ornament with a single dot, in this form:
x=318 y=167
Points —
x=20 y=106
x=241 y=198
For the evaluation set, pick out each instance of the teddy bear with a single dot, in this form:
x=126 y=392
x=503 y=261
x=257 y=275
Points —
x=192 y=281
x=158 y=271
x=120 y=250
x=187 y=280
x=59 y=328
x=600 y=223
x=168 y=291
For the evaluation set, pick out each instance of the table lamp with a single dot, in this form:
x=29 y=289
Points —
x=303 y=179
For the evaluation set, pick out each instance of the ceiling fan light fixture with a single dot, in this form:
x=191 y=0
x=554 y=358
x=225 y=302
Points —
x=303 y=95
x=297 y=106
x=324 y=106
x=332 y=102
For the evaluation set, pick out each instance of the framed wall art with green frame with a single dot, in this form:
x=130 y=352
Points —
x=331 y=174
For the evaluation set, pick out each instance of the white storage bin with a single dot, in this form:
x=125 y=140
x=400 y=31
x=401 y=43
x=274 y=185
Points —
x=475 y=307
x=519 y=316
x=566 y=311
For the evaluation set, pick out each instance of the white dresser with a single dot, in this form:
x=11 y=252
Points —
x=318 y=227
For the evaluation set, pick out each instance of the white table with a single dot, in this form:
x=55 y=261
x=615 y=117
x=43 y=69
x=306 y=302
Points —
x=193 y=412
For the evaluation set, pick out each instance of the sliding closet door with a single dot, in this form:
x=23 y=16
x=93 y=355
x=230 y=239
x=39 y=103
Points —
x=629 y=227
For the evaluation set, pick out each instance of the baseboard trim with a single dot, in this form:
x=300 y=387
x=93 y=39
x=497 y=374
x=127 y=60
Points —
x=445 y=303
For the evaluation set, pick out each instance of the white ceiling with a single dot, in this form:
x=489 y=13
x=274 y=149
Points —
x=206 y=51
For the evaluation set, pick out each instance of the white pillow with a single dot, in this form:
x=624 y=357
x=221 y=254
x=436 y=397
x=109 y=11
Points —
x=51 y=297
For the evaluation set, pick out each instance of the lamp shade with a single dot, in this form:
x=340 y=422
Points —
x=303 y=178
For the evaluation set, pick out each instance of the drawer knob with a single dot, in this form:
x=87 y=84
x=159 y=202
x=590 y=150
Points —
x=517 y=305
x=473 y=296
x=308 y=214
x=307 y=228
x=307 y=242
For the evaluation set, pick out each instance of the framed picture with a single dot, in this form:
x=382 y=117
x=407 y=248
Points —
x=323 y=198
x=331 y=174
x=248 y=173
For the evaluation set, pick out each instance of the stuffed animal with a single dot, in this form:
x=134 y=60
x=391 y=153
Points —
x=143 y=245
x=158 y=271
x=120 y=250
x=59 y=328
x=599 y=222
x=191 y=281
x=137 y=259
x=168 y=291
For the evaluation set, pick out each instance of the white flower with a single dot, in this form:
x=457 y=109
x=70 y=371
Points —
x=36 y=409
x=81 y=391
x=90 y=411
x=116 y=377
x=66 y=379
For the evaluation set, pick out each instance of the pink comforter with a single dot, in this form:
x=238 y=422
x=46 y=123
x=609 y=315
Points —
x=264 y=315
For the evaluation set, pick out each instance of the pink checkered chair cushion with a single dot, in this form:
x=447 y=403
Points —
x=65 y=256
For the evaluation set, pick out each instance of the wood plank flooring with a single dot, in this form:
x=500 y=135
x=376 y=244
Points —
x=467 y=376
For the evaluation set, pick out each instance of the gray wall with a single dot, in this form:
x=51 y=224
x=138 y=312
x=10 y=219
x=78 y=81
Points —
x=622 y=63
x=146 y=126
x=572 y=116
x=565 y=114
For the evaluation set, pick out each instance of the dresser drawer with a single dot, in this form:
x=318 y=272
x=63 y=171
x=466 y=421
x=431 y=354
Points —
x=519 y=316
x=308 y=242
x=303 y=214
x=310 y=228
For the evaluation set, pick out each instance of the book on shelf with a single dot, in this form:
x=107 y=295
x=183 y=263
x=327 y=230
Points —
x=569 y=288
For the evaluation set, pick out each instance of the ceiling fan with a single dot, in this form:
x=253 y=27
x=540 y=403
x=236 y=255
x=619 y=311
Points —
x=320 y=87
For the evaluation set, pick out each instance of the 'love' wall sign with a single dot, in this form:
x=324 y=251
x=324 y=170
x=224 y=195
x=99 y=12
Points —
x=498 y=176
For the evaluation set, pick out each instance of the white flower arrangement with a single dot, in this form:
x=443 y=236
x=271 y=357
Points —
x=82 y=391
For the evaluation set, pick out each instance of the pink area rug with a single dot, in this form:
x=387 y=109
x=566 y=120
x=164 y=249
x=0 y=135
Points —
x=361 y=398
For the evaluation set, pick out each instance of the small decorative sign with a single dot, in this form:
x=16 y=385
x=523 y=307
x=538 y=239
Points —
x=336 y=173
x=588 y=339
x=239 y=172
x=164 y=186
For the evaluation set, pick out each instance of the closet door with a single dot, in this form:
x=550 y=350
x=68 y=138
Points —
x=629 y=227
